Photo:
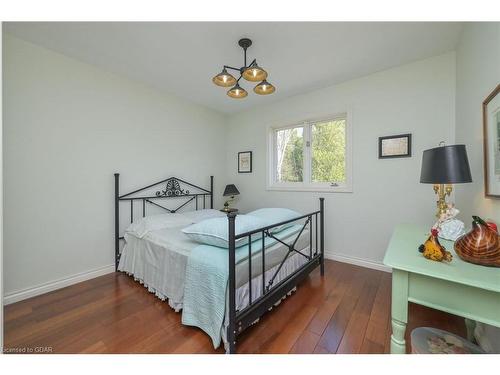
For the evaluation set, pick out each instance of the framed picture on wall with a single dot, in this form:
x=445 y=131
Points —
x=245 y=162
x=491 y=147
x=394 y=146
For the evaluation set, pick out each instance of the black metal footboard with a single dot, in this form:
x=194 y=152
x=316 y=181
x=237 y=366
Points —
x=271 y=292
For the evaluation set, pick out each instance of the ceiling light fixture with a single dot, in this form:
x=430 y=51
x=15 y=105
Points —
x=224 y=79
x=254 y=73
x=251 y=72
x=264 y=88
x=237 y=92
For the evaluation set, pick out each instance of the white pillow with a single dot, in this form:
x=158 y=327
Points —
x=155 y=222
x=200 y=215
x=215 y=231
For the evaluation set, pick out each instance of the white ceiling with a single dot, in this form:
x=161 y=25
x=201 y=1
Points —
x=181 y=57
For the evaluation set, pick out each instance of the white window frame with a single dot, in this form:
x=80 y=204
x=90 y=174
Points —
x=307 y=184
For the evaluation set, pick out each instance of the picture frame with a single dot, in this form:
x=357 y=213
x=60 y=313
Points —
x=245 y=162
x=491 y=144
x=394 y=146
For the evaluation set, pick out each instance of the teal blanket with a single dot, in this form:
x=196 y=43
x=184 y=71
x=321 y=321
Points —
x=206 y=282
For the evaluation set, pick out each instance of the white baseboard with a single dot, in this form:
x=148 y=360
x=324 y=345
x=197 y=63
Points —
x=57 y=284
x=358 y=261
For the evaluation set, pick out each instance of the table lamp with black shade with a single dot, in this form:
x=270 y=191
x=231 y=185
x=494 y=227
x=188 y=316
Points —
x=229 y=191
x=444 y=166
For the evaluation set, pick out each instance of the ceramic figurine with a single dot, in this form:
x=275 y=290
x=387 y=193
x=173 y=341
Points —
x=450 y=213
x=433 y=250
x=448 y=226
x=481 y=245
x=451 y=229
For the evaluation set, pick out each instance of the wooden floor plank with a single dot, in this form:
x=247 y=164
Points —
x=388 y=331
x=348 y=310
x=285 y=340
x=334 y=331
x=306 y=343
x=269 y=327
x=356 y=328
x=329 y=306
x=376 y=330
x=262 y=334
x=320 y=350
x=370 y=347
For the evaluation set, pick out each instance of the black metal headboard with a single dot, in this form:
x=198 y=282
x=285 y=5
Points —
x=173 y=188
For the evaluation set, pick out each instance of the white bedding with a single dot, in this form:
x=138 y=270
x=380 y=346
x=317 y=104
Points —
x=158 y=260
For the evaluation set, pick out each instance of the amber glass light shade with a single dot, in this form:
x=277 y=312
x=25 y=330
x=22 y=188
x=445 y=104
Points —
x=224 y=79
x=264 y=88
x=254 y=73
x=237 y=92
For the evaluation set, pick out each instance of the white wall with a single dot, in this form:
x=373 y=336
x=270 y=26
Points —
x=67 y=128
x=417 y=98
x=478 y=73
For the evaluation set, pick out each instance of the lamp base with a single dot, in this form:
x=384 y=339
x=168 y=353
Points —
x=226 y=203
x=442 y=191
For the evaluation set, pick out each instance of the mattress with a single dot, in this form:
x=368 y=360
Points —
x=158 y=260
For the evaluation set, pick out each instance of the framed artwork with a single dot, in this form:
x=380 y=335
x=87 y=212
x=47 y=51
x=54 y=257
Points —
x=491 y=146
x=245 y=162
x=394 y=146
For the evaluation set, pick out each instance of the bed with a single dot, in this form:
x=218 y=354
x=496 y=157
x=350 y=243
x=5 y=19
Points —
x=220 y=290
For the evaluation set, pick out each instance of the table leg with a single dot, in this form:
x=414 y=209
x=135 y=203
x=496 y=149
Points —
x=399 y=310
x=471 y=326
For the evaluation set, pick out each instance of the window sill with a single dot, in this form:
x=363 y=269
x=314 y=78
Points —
x=318 y=189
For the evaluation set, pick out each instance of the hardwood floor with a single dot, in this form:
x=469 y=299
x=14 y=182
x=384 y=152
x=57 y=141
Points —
x=347 y=311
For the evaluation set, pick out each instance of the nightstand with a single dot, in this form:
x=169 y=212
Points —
x=229 y=210
x=459 y=288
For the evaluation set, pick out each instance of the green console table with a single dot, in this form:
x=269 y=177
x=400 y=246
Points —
x=459 y=288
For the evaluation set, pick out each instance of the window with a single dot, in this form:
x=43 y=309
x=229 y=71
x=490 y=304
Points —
x=311 y=156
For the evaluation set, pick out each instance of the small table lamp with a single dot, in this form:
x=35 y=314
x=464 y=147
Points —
x=444 y=166
x=229 y=191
